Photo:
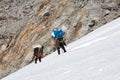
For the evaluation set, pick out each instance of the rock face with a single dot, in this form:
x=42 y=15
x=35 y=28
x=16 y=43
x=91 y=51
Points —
x=24 y=23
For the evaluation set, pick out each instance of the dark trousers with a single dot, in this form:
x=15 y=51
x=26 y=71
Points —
x=61 y=46
x=37 y=59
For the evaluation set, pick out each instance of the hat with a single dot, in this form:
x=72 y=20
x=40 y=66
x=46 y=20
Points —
x=37 y=45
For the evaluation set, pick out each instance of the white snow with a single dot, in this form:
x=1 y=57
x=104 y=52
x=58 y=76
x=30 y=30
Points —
x=93 y=57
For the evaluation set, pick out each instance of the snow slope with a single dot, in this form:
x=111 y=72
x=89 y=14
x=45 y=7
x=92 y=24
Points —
x=93 y=57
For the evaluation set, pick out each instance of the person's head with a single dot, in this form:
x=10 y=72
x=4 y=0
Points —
x=54 y=29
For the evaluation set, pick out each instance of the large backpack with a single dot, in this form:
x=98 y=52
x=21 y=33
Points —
x=36 y=51
x=58 y=33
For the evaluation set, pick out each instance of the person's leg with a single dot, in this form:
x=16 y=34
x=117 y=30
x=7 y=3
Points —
x=58 y=49
x=40 y=59
x=36 y=60
x=63 y=48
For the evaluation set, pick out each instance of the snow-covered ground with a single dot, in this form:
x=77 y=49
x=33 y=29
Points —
x=93 y=57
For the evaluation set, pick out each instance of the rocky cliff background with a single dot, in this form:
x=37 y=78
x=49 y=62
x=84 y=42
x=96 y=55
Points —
x=24 y=23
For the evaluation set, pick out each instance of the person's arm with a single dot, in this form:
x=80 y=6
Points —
x=53 y=35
